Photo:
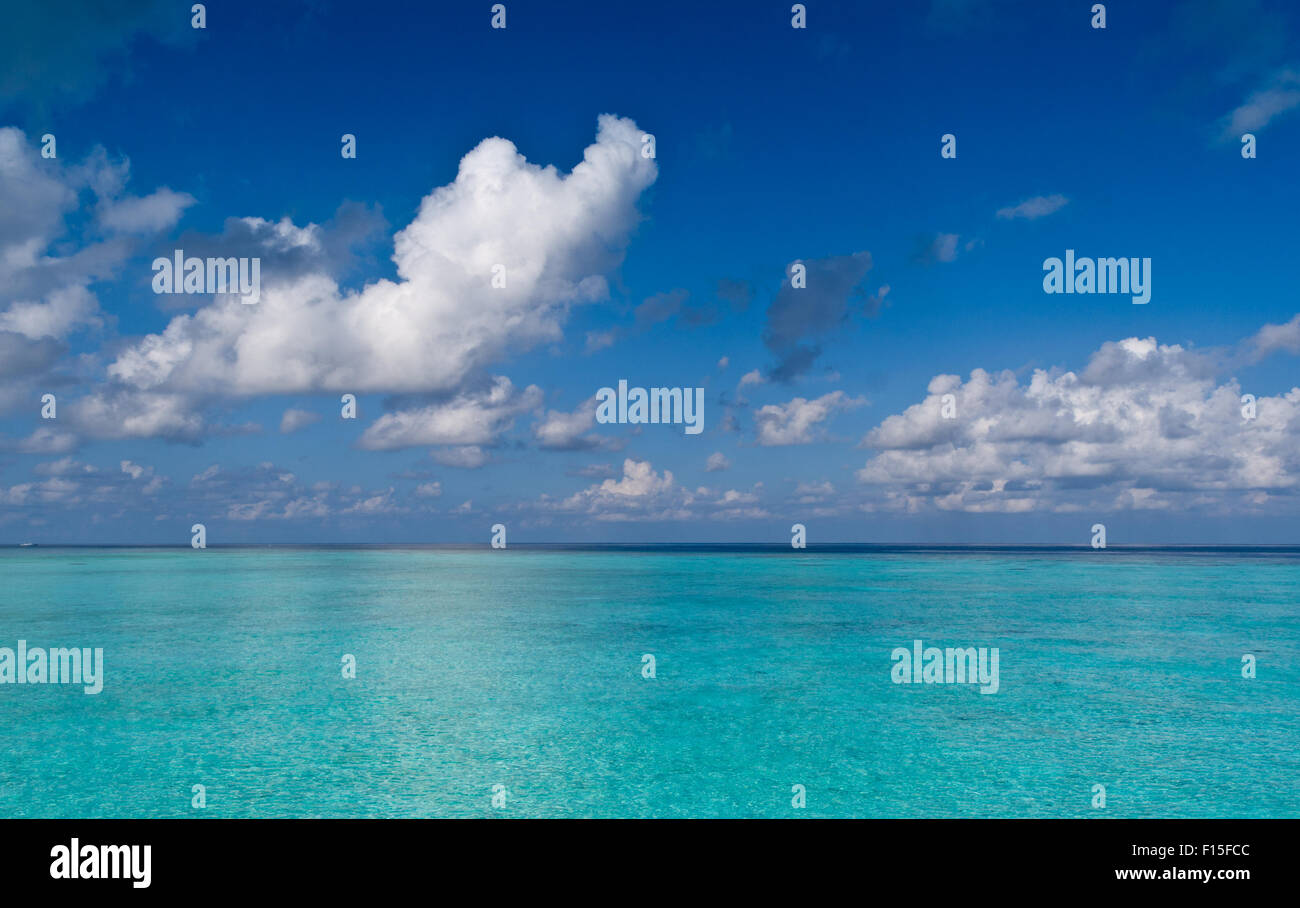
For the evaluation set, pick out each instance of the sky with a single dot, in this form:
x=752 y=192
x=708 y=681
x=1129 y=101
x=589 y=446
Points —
x=602 y=192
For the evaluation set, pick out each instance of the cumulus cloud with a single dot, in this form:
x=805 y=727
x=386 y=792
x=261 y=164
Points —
x=717 y=463
x=44 y=440
x=1032 y=209
x=294 y=419
x=559 y=431
x=135 y=470
x=115 y=413
x=442 y=320
x=286 y=251
x=1144 y=425
x=1272 y=338
x=64 y=466
x=798 y=421
x=470 y=418
x=155 y=212
x=52 y=250
x=21 y=355
x=640 y=494
x=267 y=492
x=643 y=494
x=43 y=248
x=813 y=492
x=62 y=311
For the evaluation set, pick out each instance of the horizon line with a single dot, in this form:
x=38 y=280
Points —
x=779 y=546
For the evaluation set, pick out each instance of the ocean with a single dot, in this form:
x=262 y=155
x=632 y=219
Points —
x=514 y=683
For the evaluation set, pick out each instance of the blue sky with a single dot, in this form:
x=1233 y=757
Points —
x=772 y=145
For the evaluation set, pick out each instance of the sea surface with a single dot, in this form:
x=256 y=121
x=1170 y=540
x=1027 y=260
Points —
x=520 y=673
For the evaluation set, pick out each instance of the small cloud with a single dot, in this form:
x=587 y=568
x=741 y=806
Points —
x=293 y=420
x=42 y=441
x=64 y=466
x=797 y=422
x=717 y=463
x=145 y=214
x=134 y=470
x=811 y=493
x=207 y=474
x=466 y=457
x=560 y=431
x=1271 y=338
x=940 y=247
x=599 y=340
x=1281 y=96
x=1032 y=209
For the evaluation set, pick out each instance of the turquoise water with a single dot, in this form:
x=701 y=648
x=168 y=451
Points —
x=523 y=668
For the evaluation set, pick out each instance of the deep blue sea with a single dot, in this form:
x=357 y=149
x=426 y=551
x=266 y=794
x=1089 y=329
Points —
x=520 y=672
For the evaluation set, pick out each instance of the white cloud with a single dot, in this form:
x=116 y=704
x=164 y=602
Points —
x=60 y=312
x=470 y=418
x=44 y=276
x=641 y=494
x=134 y=470
x=107 y=413
x=717 y=463
x=1143 y=426
x=1032 y=209
x=812 y=492
x=64 y=466
x=207 y=474
x=376 y=504
x=468 y=457
x=293 y=420
x=148 y=214
x=559 y=431
x=43 y=441
x=1280 y=96
x=442 y=320
x=796 y=422
x=1271 y=338
x=49 y=259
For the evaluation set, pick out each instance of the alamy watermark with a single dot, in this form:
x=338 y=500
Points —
x=657 y=405
x=75 y=861
x=1104 y=275
x=213 y=275
x=954 y=665
x=58 y=665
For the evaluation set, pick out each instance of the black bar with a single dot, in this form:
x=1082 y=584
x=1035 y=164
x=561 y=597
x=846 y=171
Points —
x=660 y=859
